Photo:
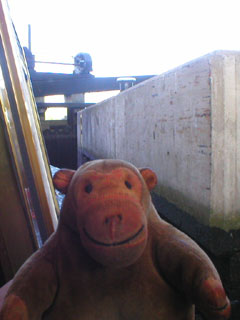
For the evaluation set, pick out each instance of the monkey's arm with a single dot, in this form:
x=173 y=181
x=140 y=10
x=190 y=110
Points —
x=32 y=291
x=188 y=269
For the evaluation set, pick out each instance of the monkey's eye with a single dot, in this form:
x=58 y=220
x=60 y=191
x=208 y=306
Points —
x=128 y=184
x=88 y=188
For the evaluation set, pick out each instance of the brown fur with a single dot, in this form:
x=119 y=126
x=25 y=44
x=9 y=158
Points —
x=113 y=258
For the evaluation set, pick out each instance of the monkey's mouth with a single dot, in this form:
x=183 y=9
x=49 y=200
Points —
x=113 y=244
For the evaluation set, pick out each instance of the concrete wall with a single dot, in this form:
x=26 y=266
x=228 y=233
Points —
x=184 y=124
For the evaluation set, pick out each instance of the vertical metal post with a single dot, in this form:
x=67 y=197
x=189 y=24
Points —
x=29 y=38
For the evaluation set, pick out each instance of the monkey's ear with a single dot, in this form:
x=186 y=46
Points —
x=62 y=179
x=150 y=177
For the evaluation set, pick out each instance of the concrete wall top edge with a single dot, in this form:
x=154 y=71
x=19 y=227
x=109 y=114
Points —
x=220 y=53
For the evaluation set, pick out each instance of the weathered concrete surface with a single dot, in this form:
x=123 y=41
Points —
x=185 y=124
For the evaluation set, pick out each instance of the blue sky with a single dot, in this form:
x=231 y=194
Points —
x=127 y=37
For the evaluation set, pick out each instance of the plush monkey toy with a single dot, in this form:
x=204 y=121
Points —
x=113 y=258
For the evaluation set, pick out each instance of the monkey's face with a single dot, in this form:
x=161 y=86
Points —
x=111 y=213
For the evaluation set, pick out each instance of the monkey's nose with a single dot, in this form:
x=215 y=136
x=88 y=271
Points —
x=113 y=223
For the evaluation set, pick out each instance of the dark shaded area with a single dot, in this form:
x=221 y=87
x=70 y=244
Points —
x=61 y=140
x=2 y=278
x=61 y=144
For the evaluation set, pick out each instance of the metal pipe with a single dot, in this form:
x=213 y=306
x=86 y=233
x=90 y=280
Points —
x=63 y=63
